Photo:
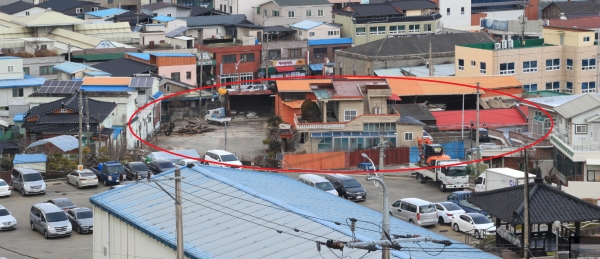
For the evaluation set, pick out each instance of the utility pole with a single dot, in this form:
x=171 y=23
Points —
x=430 y=60
x=477 y=131
x=385 y=224
x=69 y=52
x=526 y=209
x=597 y=57
x=225 y=148
x=523 y=23
x=87 y=123
x=80 y=128
x=201 y=84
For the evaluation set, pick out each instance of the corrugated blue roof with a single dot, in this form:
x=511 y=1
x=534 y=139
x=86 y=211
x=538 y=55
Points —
x=63 y=142
x=28 y=81
x=19 y=118
x=10 y=57
x=144 y=56
x=72 y=67
x=172 y=54
x=29 y=158
x=249 y=206
x=161 y=18
x=97 y=73
x=117 y=131
x=329 y=41
x=107 y=12
x=306 y=24
x=318 y=66
x=91 y=88
x=157 y=95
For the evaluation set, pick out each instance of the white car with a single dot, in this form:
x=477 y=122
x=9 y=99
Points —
x=447 y=211
x=7 y=221
x=474 y=224
x=82 y=178
x=185 y=162
x=5 y=189
x=224 y=158
x=248 y=88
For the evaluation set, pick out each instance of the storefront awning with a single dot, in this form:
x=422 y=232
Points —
x=285 y=69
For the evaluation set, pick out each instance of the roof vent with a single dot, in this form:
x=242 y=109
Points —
x=563 y=16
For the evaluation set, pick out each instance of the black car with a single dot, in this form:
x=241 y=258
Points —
x=347 y=187
x=159 y=166
x=483 y=134
x=140 y=168
x=63 y=203
x=82 y=220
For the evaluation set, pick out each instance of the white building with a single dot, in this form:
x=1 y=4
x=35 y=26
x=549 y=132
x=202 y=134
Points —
x=455 y=13
x=309 y=29
x=14 y=84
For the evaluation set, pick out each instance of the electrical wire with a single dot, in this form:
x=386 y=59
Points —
x=428 y=252
x=13 y=251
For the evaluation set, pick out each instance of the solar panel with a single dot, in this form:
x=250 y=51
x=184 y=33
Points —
x=175 y=32
x=141 y=82
x=60 y=87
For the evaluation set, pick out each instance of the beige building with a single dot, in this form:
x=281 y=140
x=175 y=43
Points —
x=286 y=12
x=309 y=29
x=563 y=61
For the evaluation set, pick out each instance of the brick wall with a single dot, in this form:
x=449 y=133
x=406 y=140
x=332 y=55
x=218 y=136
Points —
x=229 y=68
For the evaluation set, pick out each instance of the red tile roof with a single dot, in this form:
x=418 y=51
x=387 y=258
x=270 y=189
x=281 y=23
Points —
x=492 y=118
x=581 y=23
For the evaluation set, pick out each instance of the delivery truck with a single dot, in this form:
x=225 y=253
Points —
x=496 y=178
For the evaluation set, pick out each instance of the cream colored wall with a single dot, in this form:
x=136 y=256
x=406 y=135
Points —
x=417 y=131
x=357 y=125
x=321 y=32
x=378 y=101
x=571 y=38
x=349 y=105
x=146 y=38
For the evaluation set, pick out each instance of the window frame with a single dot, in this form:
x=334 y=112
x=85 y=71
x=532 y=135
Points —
x=188 y=75
x=569 y=87
x=569 y=67
x=225 y=59
x=588 y=66
x=311 y=34
x=528 y=86
x=26 y=71
x=10 y=68
x=348 y=116
x=78 y=10
x=587 y=88
x=408 y=136
x=462 y=10
x=507 y=70
x=586 y=39
x=530 y=68
x=275 y=13
x=363 y=33
x=448 y=11
x=461 y=67
x=377 y=30
x=291 y=14
x=309 y=13
x=583 y=127
x=297 y=53
x=177 y=77
x=428 y=27
x=482 y=68
x=245 y=58
x=473 y=63
x=397 y=29
x=416 y=28
x=554 y=86
x=47 y=70
x=320 y=13
x=554 y=66
x=18 y=92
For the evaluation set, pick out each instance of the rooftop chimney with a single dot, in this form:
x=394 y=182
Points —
x=563 y=16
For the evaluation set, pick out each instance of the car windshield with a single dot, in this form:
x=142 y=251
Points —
x=427 y=208
x=350 y=183
x=4 y=212
x=457 y=171
x=450 y=206
x=228 y=158
x=84 y=215
x=325 y=186
x=56 y=216
x=32 y=177
x=165 y=165
x=3 y=183
x=481 y=220
x=115 y=168
x=87 y=174
x=139 y=167
x=65 y=204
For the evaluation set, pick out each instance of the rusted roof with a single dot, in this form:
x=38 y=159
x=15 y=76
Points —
x=408 y=87
x=294 y=104
x=106 y=80
x=580 y=23
x=295 y=85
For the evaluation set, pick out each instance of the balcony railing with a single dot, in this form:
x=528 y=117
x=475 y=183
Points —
x=301 y=124
x=574 y=146
x=525 y=139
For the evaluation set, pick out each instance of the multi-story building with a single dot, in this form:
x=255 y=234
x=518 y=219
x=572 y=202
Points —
x=564 y=60
x=177 y=66
x=365 y=23
x=286 y=12
x=15 y=84
x=166 y=9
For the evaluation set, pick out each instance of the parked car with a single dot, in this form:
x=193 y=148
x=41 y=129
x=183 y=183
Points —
x=221 y=156
x=347 y=187
x=82 y=219
x=446 y=211
x=28 y=181
x=63 y=203
x=159 y=166
x=49 y=220
x=140 y=168
x=7 y=221
x=5 y=189
x=367 y=166
x=483 y=134
x=318 y=182
x=109 y=172
x=415 y=211
x=82 y=178
x=257 y=87
x=185 y=162
x=474 y=224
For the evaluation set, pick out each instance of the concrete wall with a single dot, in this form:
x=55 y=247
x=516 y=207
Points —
x=505 y=15
x=366 y=66
x=182 y=70
x=30 y=11
x=174 y=11
x=16 y=68
x=6 y=96
x=349 y=105
x=146 y=38
x=299 y=14
x=455 y=18
x=320 y=32
x=583 y=189
x=247 y=7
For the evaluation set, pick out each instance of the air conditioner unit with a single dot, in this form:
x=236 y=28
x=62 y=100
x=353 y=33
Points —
x=511 y=44
x=497 y=46
x=504 y=44
x=519 y=130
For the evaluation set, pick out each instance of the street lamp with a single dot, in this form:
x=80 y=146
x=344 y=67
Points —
x=236 y=71
x=385 y=224
x=374 y=167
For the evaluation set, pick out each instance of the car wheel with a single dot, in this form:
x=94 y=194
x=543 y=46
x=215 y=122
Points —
x=477 y=234
x=442 y=187
x=23 y=191
x=78 y=230
x=420 y=178
x=441 y=220
x=345 y=196
x=456 y=228
x=32 y=226
x=411 y=221
x=46 y=236
x=77 y=185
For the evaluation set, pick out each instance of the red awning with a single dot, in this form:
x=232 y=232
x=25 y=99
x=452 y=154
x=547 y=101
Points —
x=394 y=97
x=285 y=69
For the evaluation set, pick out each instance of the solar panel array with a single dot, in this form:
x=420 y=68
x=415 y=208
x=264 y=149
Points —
x=141 y=82
x=60 y=87
x=176 y=32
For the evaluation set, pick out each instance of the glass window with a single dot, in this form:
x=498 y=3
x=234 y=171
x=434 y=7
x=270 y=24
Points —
x=26 y=70
x=414 y=28
x=569 y=87
x=311 y=34
x=377 y=30
x=275 y=13
x=569 y=64
x=530 y=87
x=461 y=64
x=408 y=136
x=274 y=53
x=360 y=31
x=350 y=115
x=586 y=39
x=593 y=176
x=588 y=87
x=291 y=14
x=553 y=64
x=427 y=27
x=580 y=129
x=400 y=29
x=447 y=11
x=320 y=13
x=188 y=75
x=17 y=92
x=507 y=68
x=553 y=86
x=324 y=144
x=175 y=76
x=530 y=66
x=248 y=57
x=482 y=67
x=47 y=70
x=588 y=64
x=227 y=59
x=308 y=13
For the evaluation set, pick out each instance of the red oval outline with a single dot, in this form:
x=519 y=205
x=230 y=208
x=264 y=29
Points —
x=342 y=76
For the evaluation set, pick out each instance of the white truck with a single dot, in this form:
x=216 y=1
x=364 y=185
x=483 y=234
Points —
x=217 y=116
x=496 y=178
x=449 y=177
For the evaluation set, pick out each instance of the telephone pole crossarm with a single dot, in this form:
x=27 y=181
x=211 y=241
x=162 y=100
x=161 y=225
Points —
x=377 y=245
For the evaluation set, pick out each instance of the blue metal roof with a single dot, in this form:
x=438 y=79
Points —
x=97 y=73
x=161 y=18
x=249 y=206
x=63 y=142
x=306 y=24
x=93 y=88
x=72 y=67
x=117 y=131
x=19 y=118
x=107 y=12
x=144 y=56
x=29 y=158
x=157 y=95
x=329 y=41
x=172 y=54
x=9 y=57
x=318 y=66
x=352 y=134
x=28 y=81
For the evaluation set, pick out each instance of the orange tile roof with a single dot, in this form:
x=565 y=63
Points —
x=106 y=80
x=294 y=104
x=297 y=85
x=407 y=87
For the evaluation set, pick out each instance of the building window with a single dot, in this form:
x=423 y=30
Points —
x=482 y=67
x=461 y=64
x=593 y=176
x=169 y=15
x=530 y=66
x=569 y=64
x=507 y=68
x=311 y=34
x=248 y=57
x=427 y=27
x=379 y=126
x=275 y=13
x=26 y=70
x=569 y=87
x=10 y=68
x=588 y=64
x=350 y=115
x=227 y=59
x=26 y=13
x=265 y=11
x=360 y=31
x=18 y=92
x=377 y=30
x=333 y=33
x=447 y=11
x=78 y=10
x=188 y=75
x=530 y=88
x=111 y=1
x=320 y=13
x=246 y=77
x=94 y=9
x=320 y=52
x=308 y=13
x=414 y=28
x=291 y=14
x=175 y=76
x=462 y=10
x=156 y=14
x=580 y=129
x=473 y=63
x=274 y=53
x=47 y=70
x=400 y=29
x=294 y=53
x=553 y=86
x=408 y=136
x=553 y=64
x=588 y=87
x=586 y=39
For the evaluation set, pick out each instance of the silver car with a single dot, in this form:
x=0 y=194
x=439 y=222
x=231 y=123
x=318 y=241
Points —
x=50 y=220
x=82 y=219
x=28 y=181
x=415 y=211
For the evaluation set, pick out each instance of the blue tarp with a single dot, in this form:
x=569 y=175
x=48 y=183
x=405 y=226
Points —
x=19 y=118
x=456 y=150
x=117 y=131
x=330 y=41
x=107 y=12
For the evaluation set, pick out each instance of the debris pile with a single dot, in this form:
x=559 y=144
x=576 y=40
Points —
x=195 y=126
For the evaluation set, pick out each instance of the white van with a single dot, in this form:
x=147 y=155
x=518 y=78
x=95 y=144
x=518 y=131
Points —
x=221 y=156
x=317 y=181
x=415 y=211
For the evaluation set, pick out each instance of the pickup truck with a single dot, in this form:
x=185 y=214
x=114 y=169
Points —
x=109 y=172
x=217 y=116
x=460 y=199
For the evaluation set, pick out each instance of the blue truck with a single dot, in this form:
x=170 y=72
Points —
x=460 y=199
x=109 y=172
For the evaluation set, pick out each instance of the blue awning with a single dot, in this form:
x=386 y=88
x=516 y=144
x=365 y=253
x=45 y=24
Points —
x=318 y=66
x=352 y=134
x=157 y=95
x=330 y=41
x=117 y=131
x=107 y=89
